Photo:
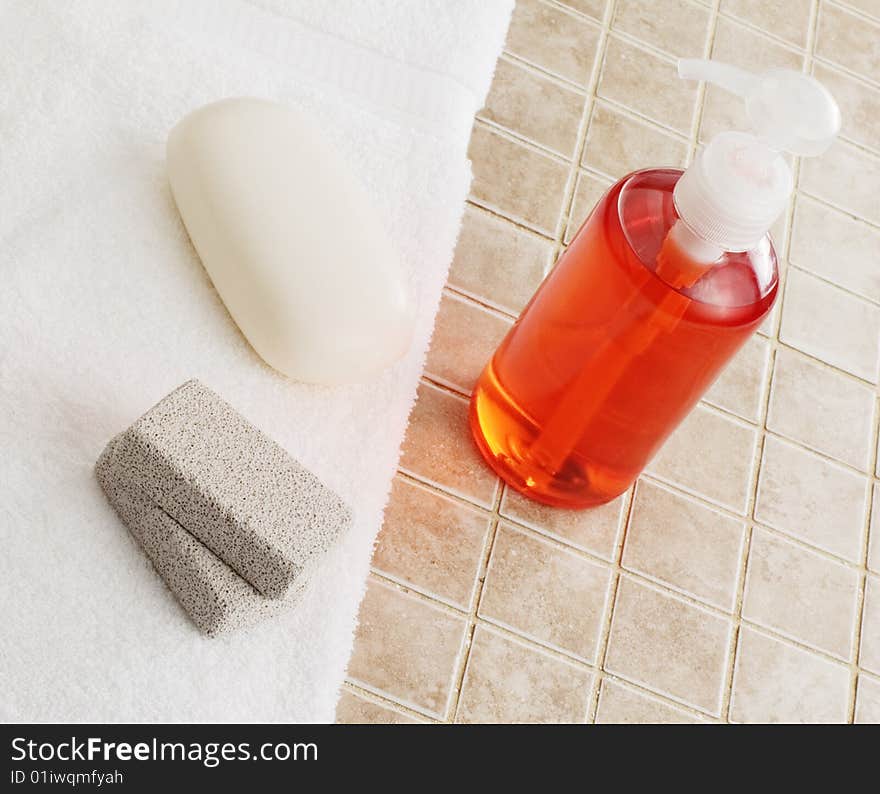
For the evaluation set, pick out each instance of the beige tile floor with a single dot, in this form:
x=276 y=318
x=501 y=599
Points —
x=736 y=582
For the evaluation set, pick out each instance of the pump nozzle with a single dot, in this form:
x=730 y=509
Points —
x=789 y=111
x=739 y=184
x=730 y=78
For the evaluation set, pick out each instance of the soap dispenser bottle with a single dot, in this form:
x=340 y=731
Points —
x=665 y=280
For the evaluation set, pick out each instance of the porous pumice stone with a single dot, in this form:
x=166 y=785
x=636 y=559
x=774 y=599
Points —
x=215 y=597
x=229 y=519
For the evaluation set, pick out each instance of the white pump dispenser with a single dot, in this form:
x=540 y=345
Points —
x=740 y=183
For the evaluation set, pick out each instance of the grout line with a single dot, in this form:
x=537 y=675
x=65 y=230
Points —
x=727 y=683
x=514 y=635
x=858 y=77
x=462 y=297
x=665 y=700
x=407 y=589
x=768 y=35
x=528 y=143
x=874 y=225
x=708 y=46
x=611 y=602
x=476 y=597
x=784 y=345
x=572 y=11
x=863 y=575
x=857 y=12
x=507 y=219
x=765 y=406
x=519 y=137
x=835 y=285
x=380 y=700
x=539 y=71
x=635 y=115
x=571 y=182
x=480 y=301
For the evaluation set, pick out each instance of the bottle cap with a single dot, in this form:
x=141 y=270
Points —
x=740 y=183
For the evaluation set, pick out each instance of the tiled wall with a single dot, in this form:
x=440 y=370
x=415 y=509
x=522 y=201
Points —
x=737 y=582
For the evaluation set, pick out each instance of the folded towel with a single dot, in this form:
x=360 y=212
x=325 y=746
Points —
x=104 y=308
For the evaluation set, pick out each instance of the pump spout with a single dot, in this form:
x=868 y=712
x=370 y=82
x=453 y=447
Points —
x=789 y=111
x=731 y=78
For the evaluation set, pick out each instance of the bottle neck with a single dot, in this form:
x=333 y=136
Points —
x=684 y=256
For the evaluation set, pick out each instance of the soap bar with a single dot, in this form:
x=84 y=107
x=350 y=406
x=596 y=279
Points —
x=194 y=465
x=290 y=240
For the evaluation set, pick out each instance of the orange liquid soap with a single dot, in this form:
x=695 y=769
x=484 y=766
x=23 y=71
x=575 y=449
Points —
x=615 y=348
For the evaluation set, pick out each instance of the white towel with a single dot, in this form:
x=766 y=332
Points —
x=104 y=308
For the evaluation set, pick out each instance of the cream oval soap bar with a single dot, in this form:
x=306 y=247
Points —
x=290 y=240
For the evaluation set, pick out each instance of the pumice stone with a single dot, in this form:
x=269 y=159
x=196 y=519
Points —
x=231 y=522
x=291 y=241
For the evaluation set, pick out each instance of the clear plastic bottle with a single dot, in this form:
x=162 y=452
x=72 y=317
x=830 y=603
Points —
x=664 y=282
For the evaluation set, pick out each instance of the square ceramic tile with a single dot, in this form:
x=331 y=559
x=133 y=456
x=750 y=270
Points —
x=355 y=710
x=787 y=19
x=498 y=263
x=849 y=40
x=678 y=27
x=520 y=183
x=844 y=176
x=406 y=649
x=777 y=682
x=431 y=542
x=710 y=455
x=869 y=651
x=821 y=408
x=517 y=91
x=545 y=592
x=620 y=704
x=618 y=144
x=684 y=545
x=737 y=44
x=668 y=645
x=562 y=43
x=588 y=190
x=647 y=84
x=800 y=594
x=465 y=337
x=439 y=448
x=868 y=701
x=740 y=386
x=811 y=499
x=507 y=681
x=830 y=324
x=594 y=530
x=859 y=104
x=592 y=8
x=839 y=248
